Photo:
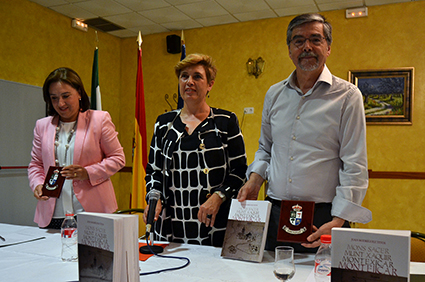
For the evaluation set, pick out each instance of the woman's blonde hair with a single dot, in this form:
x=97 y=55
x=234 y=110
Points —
x=198 y=59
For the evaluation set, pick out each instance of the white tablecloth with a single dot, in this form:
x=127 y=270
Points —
x=33 y=261
x=207 y=265
x=40 y=261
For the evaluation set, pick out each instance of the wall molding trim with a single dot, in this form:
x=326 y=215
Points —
x=372 y=174
x=396 y=174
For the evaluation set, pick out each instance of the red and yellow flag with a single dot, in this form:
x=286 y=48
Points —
x=140 y=157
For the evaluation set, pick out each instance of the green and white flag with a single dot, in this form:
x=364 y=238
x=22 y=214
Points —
x=96 y=102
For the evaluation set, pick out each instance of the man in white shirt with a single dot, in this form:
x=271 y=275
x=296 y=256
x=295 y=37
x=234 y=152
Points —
x=313 y=138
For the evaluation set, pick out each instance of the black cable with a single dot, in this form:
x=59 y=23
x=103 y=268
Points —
x=161 y=256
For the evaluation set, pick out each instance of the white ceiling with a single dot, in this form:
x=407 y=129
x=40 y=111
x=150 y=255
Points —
x=156 y=16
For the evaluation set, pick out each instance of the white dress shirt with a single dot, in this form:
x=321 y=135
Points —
x=313 y=146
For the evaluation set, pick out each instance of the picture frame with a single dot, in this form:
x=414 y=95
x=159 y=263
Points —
x=387 y=94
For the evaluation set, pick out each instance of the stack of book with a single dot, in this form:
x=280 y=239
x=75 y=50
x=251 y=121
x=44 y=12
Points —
x=108 y=247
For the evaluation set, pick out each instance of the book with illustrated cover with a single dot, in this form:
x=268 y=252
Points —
x=370 y=255
x=108 y=247
x=246 y=230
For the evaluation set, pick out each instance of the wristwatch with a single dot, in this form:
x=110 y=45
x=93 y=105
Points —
x=221 y=195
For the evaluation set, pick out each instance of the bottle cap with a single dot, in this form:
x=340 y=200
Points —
x=326 y=239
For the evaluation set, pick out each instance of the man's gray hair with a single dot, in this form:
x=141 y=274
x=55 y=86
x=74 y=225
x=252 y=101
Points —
x=309 y=18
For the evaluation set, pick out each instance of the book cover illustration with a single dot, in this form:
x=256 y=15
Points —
x=370 y=255
x=246 y=230
x=95 y=249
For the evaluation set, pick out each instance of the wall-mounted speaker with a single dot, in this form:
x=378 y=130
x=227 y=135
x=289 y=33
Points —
x=173 y=44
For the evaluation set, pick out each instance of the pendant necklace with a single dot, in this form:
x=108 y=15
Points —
x=71 y=133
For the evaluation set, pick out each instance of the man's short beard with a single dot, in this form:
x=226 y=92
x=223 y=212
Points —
x=310 y=67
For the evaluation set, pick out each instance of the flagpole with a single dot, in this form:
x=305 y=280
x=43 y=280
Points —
x=180 y=101
x=97 y=39
x=139 y=40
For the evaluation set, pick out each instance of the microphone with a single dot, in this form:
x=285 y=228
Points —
x=154 y=196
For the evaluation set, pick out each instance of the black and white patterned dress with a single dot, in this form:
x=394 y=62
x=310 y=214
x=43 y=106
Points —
x=211 y=159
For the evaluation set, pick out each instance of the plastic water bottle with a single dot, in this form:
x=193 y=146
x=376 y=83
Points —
x=322 y=265
x=69 y=238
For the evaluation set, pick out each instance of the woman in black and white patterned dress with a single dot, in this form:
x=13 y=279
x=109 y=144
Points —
x=196 y=161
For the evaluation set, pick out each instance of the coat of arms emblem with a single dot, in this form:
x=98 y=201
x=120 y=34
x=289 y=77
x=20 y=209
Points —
x=296 y=215
x=52 y=181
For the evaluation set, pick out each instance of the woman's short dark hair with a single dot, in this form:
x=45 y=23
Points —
x=198 y=59
x=70 y=77
x=309 y=18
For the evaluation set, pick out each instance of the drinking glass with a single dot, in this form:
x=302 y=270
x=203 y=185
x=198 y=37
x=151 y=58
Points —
x=284 y=267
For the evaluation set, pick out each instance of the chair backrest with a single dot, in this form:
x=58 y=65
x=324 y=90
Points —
x=130 y=211
x=417 y=247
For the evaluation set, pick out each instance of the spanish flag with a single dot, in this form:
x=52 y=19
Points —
x=140 y=158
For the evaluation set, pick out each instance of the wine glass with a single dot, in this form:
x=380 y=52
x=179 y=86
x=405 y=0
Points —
x=284 y=267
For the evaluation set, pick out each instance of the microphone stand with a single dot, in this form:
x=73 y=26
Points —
x=150 y=248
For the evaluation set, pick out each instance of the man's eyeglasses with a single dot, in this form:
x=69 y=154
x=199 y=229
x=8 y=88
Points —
x=316 y=40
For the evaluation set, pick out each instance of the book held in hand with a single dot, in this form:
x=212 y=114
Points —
x=246 y=230
x=370 y=255
x=53 y=182
x=108 y=247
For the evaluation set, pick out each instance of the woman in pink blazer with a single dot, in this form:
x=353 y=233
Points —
x=82 y=141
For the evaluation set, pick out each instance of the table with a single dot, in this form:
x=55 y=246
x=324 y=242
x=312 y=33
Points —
x=34 y=261
x=207 y=265
x=40 y=261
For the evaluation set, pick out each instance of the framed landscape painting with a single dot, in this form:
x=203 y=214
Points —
x=387 y=94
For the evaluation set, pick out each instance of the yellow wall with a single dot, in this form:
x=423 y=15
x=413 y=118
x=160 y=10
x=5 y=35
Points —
x=35 y=40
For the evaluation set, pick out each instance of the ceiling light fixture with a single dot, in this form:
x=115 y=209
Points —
x=356 y=12
x=79 y=25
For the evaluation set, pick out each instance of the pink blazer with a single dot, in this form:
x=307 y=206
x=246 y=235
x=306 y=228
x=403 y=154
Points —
x=96 y=148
